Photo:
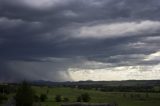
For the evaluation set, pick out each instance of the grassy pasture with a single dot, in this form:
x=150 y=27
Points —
x=121 y=98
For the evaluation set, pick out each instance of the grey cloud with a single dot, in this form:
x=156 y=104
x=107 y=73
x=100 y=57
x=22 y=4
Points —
x=37 y=37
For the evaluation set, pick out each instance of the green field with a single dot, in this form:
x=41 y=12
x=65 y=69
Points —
x=121 y=98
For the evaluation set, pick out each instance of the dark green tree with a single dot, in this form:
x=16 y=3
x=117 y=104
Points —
x=58 y=98
x=36 y=98
x=24 y=95
x=86 y=97
x=79 y=99
x=43 y=97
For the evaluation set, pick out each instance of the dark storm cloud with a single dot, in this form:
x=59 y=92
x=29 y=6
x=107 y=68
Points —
x=41 y=39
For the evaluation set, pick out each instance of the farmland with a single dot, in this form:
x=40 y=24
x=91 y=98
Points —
x=121 y=98
x=122 y=95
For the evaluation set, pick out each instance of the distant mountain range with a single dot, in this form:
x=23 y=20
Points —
x=98 y=83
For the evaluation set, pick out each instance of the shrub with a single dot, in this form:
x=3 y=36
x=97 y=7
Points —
x=58 y=98
x=36 y=98
x=43 y=97
x=83 y=98
x=79 y=99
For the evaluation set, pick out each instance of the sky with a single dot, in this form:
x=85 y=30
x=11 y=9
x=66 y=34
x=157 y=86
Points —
x=73 y=40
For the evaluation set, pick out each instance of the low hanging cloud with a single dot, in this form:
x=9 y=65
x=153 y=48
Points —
x=9 y=24
x=154 y=56
x=6 y=23
x=36 y=4
x=112 y=30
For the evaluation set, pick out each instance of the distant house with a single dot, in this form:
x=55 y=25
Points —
x=88 y=104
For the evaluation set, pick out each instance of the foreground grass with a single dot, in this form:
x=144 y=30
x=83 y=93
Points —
x=122 y=99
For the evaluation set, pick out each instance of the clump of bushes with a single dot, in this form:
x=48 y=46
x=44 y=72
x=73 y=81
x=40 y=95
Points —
x=36 y=98
x=43 y=97
x=60 y=98
x=84 y=98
